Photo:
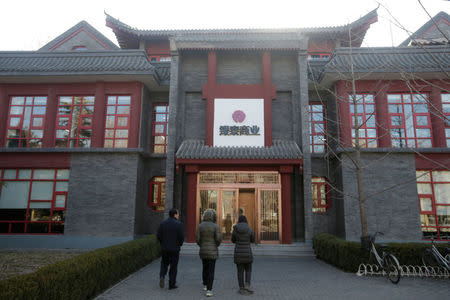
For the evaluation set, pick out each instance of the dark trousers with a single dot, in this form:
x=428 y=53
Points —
x=248 y=273
x=209 y=266
x=169 y=258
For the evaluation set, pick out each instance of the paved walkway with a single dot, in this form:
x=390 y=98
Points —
x=275 y=278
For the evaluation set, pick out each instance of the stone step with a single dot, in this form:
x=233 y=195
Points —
x=227 y=249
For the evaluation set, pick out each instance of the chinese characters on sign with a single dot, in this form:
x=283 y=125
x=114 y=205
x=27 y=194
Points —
x=239 y=130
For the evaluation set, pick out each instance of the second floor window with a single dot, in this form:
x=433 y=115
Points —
x=117 y=122
x=159 y=127
x=74 y=121
x=364 y=111
x=317 y=128
x=446 y=111
x=26 y=122
x=409 y=120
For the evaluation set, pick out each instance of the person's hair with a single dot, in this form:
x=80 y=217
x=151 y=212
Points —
x=242 y=219
x=173 y=212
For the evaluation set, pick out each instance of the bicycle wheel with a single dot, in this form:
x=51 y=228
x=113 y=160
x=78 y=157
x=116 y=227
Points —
x=428 y=259
x=392 y=269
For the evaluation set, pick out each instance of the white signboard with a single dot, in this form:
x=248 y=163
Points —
x=239 y=122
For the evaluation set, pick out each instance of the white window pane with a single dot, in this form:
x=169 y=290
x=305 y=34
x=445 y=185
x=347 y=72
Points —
x=9 y=174
x=442 y=193
x=43 y=174
x=60 y=201
x=14 y=194
x=25 y=174
x=62 y=186
x=40 y=205
x=441 y=176
x=41 y=191
x=62 y=174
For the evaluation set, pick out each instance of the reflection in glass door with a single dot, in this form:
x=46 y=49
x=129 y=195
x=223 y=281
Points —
x=269 y=220
x=228 y=213
x=208 y=199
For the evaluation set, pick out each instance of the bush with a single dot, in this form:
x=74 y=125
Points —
x=83 y=276
x=348 y=255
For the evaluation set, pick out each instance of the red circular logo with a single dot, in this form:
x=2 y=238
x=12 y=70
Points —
x=238 y=116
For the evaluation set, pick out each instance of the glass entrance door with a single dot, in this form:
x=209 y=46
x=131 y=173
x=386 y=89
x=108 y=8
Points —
x=254 y=194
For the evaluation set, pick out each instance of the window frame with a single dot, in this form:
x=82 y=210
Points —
x=365 y=117
x=53 y=208
x=80 y=106
x=319 y=205
x=165 y=125
x=321 y=55
x=157 y=205
x=116 y=127
x=312 y=131
x=405 y=138
x=434 y=205
x=31 y=127
x=446 y=117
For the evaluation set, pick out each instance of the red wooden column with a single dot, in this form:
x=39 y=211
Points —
x=286 y=172
x=50 y=119
x=4 y=104
x=211 y=86
x=382 y=117
x=98 y=123
x=267 y=82
x=345 y=127
x=192 y=171
x=437 y=119
x=135 y=116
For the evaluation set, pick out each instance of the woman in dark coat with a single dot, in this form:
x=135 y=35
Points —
x=208 y=238
x=242 y=236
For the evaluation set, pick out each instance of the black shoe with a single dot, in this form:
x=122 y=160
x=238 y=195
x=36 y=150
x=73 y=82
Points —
x=173 y=287
x=161 y=283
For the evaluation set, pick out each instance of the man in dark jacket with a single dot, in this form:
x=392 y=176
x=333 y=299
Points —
x=242 y=236
x=171 y=236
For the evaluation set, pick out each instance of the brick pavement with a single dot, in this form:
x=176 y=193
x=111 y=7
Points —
x=275 y=278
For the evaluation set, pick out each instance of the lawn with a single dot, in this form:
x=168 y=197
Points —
x=17 y=262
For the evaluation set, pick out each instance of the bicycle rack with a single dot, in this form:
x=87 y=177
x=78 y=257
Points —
x=406 y=270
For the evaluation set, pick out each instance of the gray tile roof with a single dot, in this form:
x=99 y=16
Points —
x=75 y=63
x=421 y=32
x=163 y=72
x=390 y=60
x=103 y=39
x=125 y=33
x=315 y=68
x=196 y=149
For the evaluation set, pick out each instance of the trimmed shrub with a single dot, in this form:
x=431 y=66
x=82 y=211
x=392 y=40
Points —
x=83 y=276
x=348 y=255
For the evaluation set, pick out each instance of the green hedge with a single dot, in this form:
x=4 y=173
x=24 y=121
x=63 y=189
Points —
x=83 y=276
x=348 y=255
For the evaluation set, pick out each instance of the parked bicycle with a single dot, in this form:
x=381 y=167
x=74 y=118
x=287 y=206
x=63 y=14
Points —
x=435 y=262
x=387 y=262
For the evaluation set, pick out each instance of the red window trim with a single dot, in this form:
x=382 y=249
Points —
x=116 y=116
x=322 y=55
x=433 y=204
x=312 y=128
x=365 y=116
x=76 y=138
x=447 y=117
x=79 y=48
x=157 y=57
x=164 y=124
x=414 y=114
x=327 y=191
x=53 y=208
x=21 y=116
x=156 y=205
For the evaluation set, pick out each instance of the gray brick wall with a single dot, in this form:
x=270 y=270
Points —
x=394 y=212
x=102 y=194
x=195 y=117
x=239 y=68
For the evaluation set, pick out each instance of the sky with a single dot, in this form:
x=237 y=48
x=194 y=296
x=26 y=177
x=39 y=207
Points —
x=28 y=25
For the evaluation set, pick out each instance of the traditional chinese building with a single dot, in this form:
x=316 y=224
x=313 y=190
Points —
x=97 y=142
